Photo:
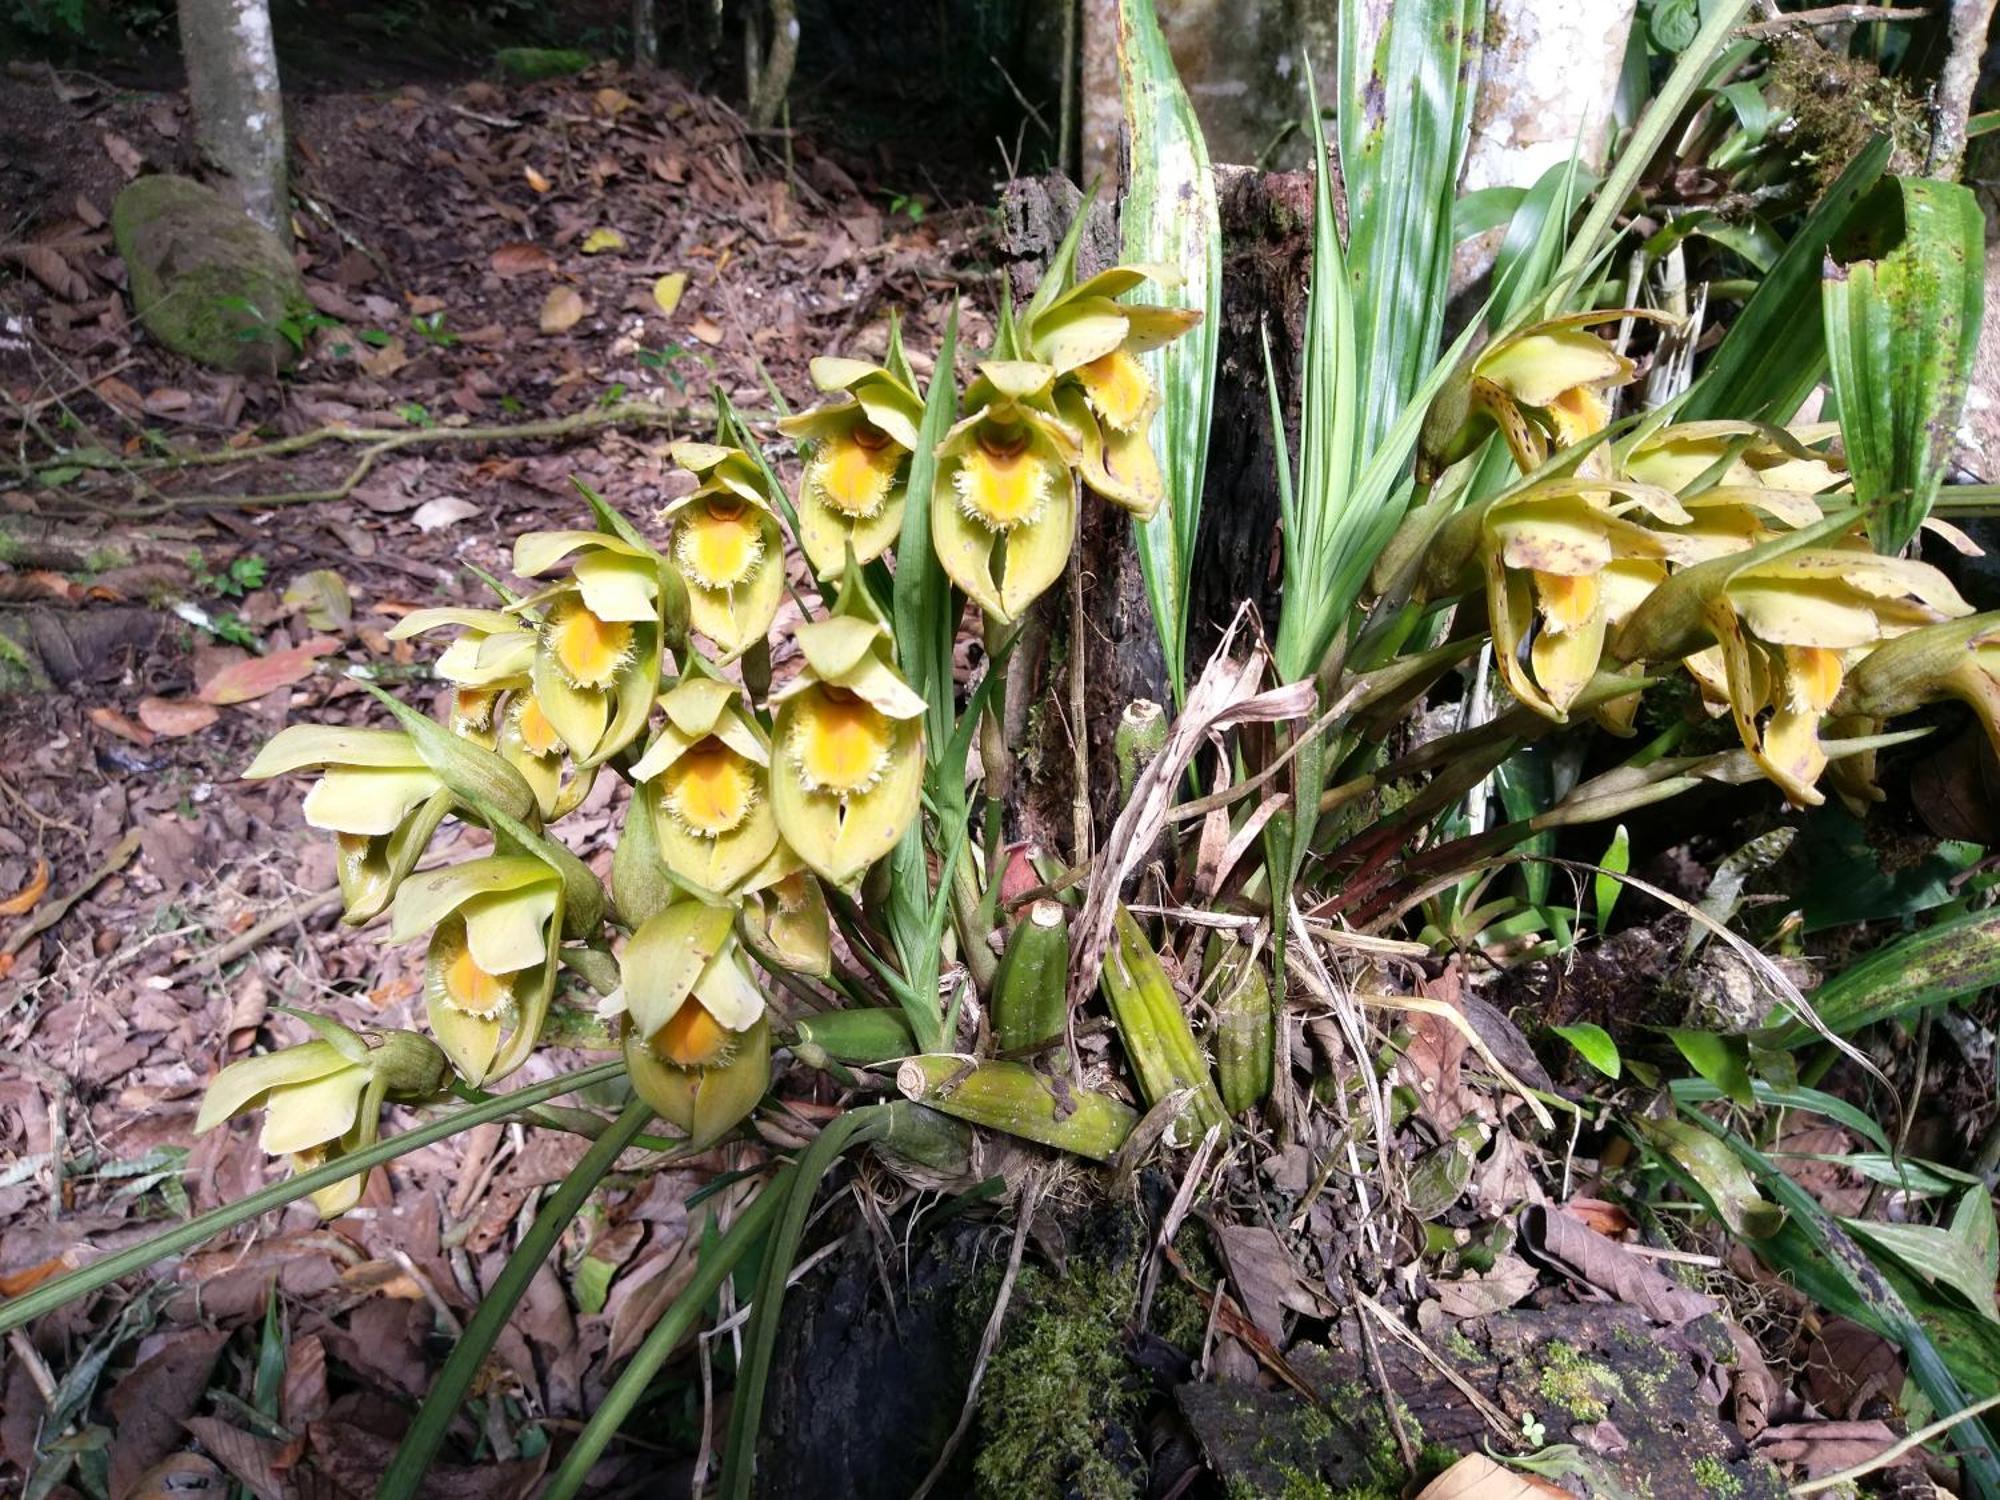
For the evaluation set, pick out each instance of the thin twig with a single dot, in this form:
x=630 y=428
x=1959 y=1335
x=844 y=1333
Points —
x=249 y=938
x=1833 y=15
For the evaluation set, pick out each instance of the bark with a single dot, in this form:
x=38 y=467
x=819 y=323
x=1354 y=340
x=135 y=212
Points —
x=771 y=81
x=1548 y=77
x=1103 y=114
x=646 y=33
x=1267 y=246
x=232 y=68
x=1958 y=80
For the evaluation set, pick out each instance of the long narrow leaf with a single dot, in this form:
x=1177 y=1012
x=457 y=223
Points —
x=717 y=1261
x=1775 y=350
x=1902 y=326
x=405 y=1474
x=924 y=618
x=1958 y=956
x=53 y=1294
x=1404 y=123
x=1169 y=217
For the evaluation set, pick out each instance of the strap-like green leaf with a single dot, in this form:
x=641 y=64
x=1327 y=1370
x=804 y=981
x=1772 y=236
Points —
x=1902 y=326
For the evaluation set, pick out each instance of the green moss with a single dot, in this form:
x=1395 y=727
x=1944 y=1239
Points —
x=1462 y=1347
x=1577 y=1385
x=1059 y=1380
x=532 y=64
x=1180 y=1314
x=1713 y=1475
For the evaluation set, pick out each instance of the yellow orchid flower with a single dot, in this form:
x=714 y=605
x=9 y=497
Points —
x=848 y=760
x=1544 y=383
x=698 y=1047
x=1563 y=563
x=495 y=928
x=1749 y=453
x=727 y=546
x=852 y=491
x=1004 y=508
x=596 y=661
x=1787 y=619
x=375 y=794
x=708 y=775
x=1103 y=392
x=1958 y=659
x=322 y=1100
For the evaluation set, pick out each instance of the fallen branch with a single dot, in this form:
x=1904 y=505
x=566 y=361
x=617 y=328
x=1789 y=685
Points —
x=378 y=444
x=1832 y=15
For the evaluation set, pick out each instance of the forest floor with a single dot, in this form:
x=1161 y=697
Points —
x=160 y=906
x=156 y=911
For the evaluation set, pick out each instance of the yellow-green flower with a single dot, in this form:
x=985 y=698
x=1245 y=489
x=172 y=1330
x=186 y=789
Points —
x=698 y=1047
x=493 y=652
x=727 y=546
x=495 y=928
x=854 y=485
x=707 y=774
x=1004 y=508
x=784 y=911
x=528 y=742
x=1563 y=562
x=1748 y=453
x=596 y=662
x=1547 y=382
x=848 y=756
x=376 y=796
x=322 y=1100
x=1103 y=392
x=1787 y=619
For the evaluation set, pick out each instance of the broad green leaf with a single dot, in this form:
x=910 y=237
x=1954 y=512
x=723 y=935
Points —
x=1712 y=1167
x=1593 y=1043
x=1958 y=956
x=1723 y=1060
x=1954 y=1257
x=923 y=615
x=1902 y=326
x=1169 y=217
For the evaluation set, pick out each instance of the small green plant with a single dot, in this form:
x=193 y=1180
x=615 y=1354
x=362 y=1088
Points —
x=911 y=206
x=241 y=576
x=430 y=328
x=416 y=414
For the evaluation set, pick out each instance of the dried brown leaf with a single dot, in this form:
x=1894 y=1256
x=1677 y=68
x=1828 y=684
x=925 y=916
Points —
x=249 y=680
x=562 y=309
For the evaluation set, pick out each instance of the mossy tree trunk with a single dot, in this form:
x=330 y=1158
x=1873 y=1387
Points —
x=232 y=67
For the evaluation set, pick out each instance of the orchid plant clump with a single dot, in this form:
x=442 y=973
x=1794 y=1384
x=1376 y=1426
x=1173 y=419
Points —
x=757 y=808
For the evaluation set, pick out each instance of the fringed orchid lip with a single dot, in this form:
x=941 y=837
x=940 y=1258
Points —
x=1567 y=602
x=842 y=742
x=472 y=709
x=461 y=983
x=589 y=652
x=692 y=1038
x=538 y=735
x=1117 y=388
x=720 y=542
x=709 y=789
x=854 y=471
x=1002 y=481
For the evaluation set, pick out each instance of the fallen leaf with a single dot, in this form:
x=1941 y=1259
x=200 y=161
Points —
x=178 y=1478
x=113 y=722
x=1477 y=1296
x=521 y=258
x=171 y=718
x=24 y=900
x=535 y=179
x=124 y=153
x=322 y=596
x=385 y=361
x=149 y=1403
x=445 y=510
x=47 y=266
x=252 y=679
x=562 y=309
x=613 y=101
x=600 y=240
x=667 y=291
x=166 y=401
x=706 y=331
x=1477 y=1477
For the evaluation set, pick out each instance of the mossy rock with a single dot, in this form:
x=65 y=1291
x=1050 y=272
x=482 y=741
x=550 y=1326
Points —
x=533 y=64
x=207 y=281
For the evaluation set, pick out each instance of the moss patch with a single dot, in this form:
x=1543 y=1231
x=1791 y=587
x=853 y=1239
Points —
x=1580 y=1386
x=532 y=64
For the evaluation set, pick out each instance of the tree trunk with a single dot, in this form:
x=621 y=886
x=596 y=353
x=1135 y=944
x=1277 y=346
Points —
x=1103 y=116
x=772 y=80
x=1548 y=77
x=232 y=68
x=646 y=33
x=1267 y=249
